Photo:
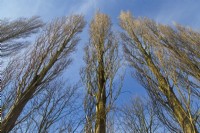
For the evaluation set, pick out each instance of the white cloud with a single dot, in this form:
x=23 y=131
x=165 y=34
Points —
x=20 y=8
x=47 y=9
x=184 y=13
x=85 y=7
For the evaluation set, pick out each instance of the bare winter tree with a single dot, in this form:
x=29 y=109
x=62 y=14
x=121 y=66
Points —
x=12 y=31
x=52 y=110
x=167 y=62
x=49 y=56
x=11 y=35
x=102 y=64
x=139 y=117
x=89 y=109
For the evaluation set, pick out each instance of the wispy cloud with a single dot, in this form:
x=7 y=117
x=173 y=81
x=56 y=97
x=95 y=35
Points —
x=85 y=7
x=184 y=12
x=20 y=8
x=47 y=9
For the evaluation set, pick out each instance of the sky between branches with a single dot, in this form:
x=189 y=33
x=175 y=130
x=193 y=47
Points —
x=185 y=12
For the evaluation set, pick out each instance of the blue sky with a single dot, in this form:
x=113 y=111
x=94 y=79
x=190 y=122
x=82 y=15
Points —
x=165 y=11
x=185 y=12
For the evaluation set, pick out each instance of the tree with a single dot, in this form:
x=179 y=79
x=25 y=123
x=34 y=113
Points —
x=10 y=34
x=52 y=110
x=102 y=64
x=12 y=31
x=167 y=63
x=49 y=56
x=139 y=117
x=89 y=109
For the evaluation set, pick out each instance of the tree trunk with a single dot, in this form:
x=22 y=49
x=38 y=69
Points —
x=9 y=122
x=100 y=126
x=181 y=115
x=179 y=112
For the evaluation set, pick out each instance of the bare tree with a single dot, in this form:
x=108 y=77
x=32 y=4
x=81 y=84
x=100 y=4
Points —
x=89 y=109
x=111 y=124
x=12 y=31
x=43 y=63
x=102 y=64
x=52 y=110
x=139 y=117
x=167 y=63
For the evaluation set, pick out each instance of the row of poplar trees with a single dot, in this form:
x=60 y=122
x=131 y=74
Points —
x=35 y=98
